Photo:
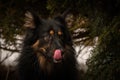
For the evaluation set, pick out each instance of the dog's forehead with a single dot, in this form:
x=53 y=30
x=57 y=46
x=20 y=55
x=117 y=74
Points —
x=53 y=24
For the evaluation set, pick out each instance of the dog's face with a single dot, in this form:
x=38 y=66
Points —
x=52 y=36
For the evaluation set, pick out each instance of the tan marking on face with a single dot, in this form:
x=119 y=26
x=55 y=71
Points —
x=35 y=45
x=43 y=49
x=59 y=33
x=42 y=61
x=45 y=65
x=51 y=32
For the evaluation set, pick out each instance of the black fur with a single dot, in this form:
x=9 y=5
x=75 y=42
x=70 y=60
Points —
x=29 y=65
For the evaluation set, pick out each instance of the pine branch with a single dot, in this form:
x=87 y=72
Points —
x=8 y=49
x=7 y=56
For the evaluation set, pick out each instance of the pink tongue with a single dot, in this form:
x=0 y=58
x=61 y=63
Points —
x=57 y=54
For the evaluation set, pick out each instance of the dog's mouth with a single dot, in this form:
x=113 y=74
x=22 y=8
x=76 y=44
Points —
x=57 y=56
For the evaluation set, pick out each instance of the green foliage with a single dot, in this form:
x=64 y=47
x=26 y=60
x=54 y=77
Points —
x=104 y=63
x=11 y=27
x=12 y=16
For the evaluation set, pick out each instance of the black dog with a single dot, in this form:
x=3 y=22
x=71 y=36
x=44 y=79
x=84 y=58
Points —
x=47 y=52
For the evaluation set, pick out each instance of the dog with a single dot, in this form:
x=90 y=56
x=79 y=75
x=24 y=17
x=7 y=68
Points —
x=47 y=52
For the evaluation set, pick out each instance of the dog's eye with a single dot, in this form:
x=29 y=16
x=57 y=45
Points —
x=60 y=33
x=51 y=32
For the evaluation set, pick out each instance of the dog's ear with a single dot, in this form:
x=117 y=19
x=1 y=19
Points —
x=32 y=20
x=62 y=17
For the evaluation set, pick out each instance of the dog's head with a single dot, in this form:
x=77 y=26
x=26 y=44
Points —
x=51 y=36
